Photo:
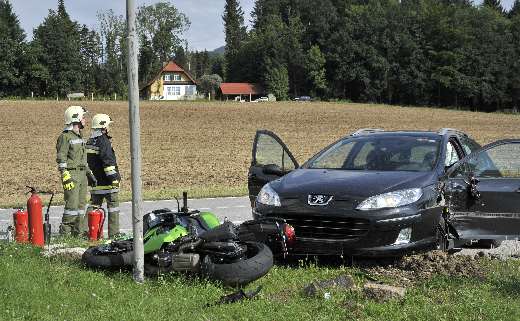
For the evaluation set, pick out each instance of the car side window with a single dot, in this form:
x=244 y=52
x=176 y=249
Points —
x=502 y=161
x=269 y=151
x=451 y=154
x=469 y=145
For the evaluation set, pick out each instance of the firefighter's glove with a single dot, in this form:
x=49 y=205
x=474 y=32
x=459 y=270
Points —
x=115 y=181
x=92 y=181
x=66 y=180
x=115 y=184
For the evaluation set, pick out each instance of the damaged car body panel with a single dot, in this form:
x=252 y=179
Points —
x=483 y=193
x=372 y=193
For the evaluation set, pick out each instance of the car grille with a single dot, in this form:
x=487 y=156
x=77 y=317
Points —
x=326 y=227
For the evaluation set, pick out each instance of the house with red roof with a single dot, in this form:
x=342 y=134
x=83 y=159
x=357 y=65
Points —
x=246 y=91
x=171 y=83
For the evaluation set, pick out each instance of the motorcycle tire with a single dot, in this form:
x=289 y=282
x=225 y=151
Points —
x=257 y=262
x=96 y=259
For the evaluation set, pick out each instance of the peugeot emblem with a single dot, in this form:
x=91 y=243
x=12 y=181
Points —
x=319 y=200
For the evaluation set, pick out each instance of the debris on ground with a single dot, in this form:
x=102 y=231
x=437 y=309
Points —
x=382 y=292
x=237 y=296
x=419 y=267
x=321 y=288
x=62 y=250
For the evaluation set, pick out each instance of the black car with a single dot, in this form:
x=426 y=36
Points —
x=384 y=193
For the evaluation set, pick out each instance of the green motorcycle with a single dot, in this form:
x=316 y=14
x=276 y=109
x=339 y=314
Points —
x=196 y=242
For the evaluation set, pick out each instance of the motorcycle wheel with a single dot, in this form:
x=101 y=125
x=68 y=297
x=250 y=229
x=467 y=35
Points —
x=257 y=261
x=95 y=258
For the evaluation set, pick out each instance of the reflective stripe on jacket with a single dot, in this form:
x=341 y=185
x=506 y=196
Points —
x=102 y=162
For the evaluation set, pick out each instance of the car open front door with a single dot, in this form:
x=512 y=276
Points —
x=483 y=192
x=271 y=159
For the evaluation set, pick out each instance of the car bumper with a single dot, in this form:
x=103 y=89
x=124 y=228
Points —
x=380 y=239
x=323 y=247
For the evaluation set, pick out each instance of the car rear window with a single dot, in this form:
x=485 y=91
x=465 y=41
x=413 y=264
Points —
x=391 y=153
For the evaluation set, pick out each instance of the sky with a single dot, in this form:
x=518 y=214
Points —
x=206 y=31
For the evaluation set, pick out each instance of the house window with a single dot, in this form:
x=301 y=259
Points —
x=167 y=77
x=177 y=77
x=190 y=90
x=173 y=90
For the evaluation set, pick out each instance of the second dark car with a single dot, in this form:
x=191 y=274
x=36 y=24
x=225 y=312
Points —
x=384 y=193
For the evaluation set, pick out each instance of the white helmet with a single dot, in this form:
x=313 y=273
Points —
x=74 y=114
x=100 y=121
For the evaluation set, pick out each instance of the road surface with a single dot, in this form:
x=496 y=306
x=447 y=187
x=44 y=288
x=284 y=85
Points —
x=235 y=209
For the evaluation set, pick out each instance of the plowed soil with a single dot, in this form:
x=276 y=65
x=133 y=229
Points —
x=187 y=145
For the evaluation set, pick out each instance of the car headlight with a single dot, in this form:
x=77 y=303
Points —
x=268 y=196
x=392 y=199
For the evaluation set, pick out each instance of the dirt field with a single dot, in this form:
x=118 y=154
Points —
x=206 y=147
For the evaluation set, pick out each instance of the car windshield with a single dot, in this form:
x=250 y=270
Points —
x=378 y=153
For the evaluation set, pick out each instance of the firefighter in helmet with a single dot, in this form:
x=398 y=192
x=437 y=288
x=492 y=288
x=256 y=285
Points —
x=75 y=173
x=102 y=161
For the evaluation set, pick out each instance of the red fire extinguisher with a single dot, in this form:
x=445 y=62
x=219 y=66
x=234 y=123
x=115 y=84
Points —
x=34 y=207
x=21 y=226
x=96 y=218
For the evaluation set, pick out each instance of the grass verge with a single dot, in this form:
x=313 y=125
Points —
x=36 y=288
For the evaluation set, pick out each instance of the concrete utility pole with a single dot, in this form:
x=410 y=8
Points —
x=135 y=143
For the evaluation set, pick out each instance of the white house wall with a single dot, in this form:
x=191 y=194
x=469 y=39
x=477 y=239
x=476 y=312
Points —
x=185 y=92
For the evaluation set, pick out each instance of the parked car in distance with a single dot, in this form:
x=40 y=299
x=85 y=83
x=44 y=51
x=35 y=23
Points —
x=262 y=99
x=303 y=98
x=381 y=193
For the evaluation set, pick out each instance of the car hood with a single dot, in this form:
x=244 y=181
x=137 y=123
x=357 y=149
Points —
x=344 y=184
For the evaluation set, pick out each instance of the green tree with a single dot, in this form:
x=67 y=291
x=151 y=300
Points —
x=315 y=68
x=235 y=34
x=209 y=84
x=494 y=4
x=113 y=38
x=515 y=62
x=181 y=56
x=60 y=42
x=147 y=61
x=295 y=55
x=12 y=47
x=90 y=51
x=515 y=9
x=217 y=65
x=277 y=82
x=161 y=24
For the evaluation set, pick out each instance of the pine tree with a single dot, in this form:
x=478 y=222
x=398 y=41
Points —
x=494 y=4
x=515 y=10
x=59 y=39
x=235 y=34
x=12 y=40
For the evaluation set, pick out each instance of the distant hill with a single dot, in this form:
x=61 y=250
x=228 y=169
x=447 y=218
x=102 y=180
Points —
x=218 y=51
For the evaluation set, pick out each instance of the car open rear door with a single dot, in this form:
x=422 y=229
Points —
x=483 y=192
x=271 y=159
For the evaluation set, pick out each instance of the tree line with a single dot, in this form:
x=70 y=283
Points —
x=408 y=52
x=65 y=56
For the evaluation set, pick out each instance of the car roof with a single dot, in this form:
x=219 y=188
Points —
x=368 y=132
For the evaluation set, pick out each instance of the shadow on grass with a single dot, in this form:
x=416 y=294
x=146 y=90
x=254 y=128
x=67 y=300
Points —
x=508 y=286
